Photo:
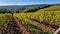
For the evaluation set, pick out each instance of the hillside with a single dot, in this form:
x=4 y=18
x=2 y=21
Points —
x=52 y=8
x=35 y=20
x=47 y=19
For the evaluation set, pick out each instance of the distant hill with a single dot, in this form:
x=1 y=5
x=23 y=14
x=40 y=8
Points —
x=21 y=7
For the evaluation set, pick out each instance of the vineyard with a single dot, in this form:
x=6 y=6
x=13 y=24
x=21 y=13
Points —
x=4 y=19
x=33 y=20
x=40 y=21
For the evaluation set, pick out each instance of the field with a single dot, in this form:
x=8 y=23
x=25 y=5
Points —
x=44 y=20
x=49 y=15
x=4 y=19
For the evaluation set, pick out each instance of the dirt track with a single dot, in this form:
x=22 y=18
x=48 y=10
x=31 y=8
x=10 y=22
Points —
x=46 y=26
x=14 y=27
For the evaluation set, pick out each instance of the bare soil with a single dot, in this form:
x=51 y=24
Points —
x=46 y=26
x=14 y=27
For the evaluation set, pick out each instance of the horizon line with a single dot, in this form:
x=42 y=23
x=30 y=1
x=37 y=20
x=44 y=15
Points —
x=21 y=4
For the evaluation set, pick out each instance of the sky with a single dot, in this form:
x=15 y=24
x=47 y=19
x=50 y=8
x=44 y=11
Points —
x=28 y=2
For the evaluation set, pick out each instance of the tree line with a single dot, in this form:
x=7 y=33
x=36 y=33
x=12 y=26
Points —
x=27 y=9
